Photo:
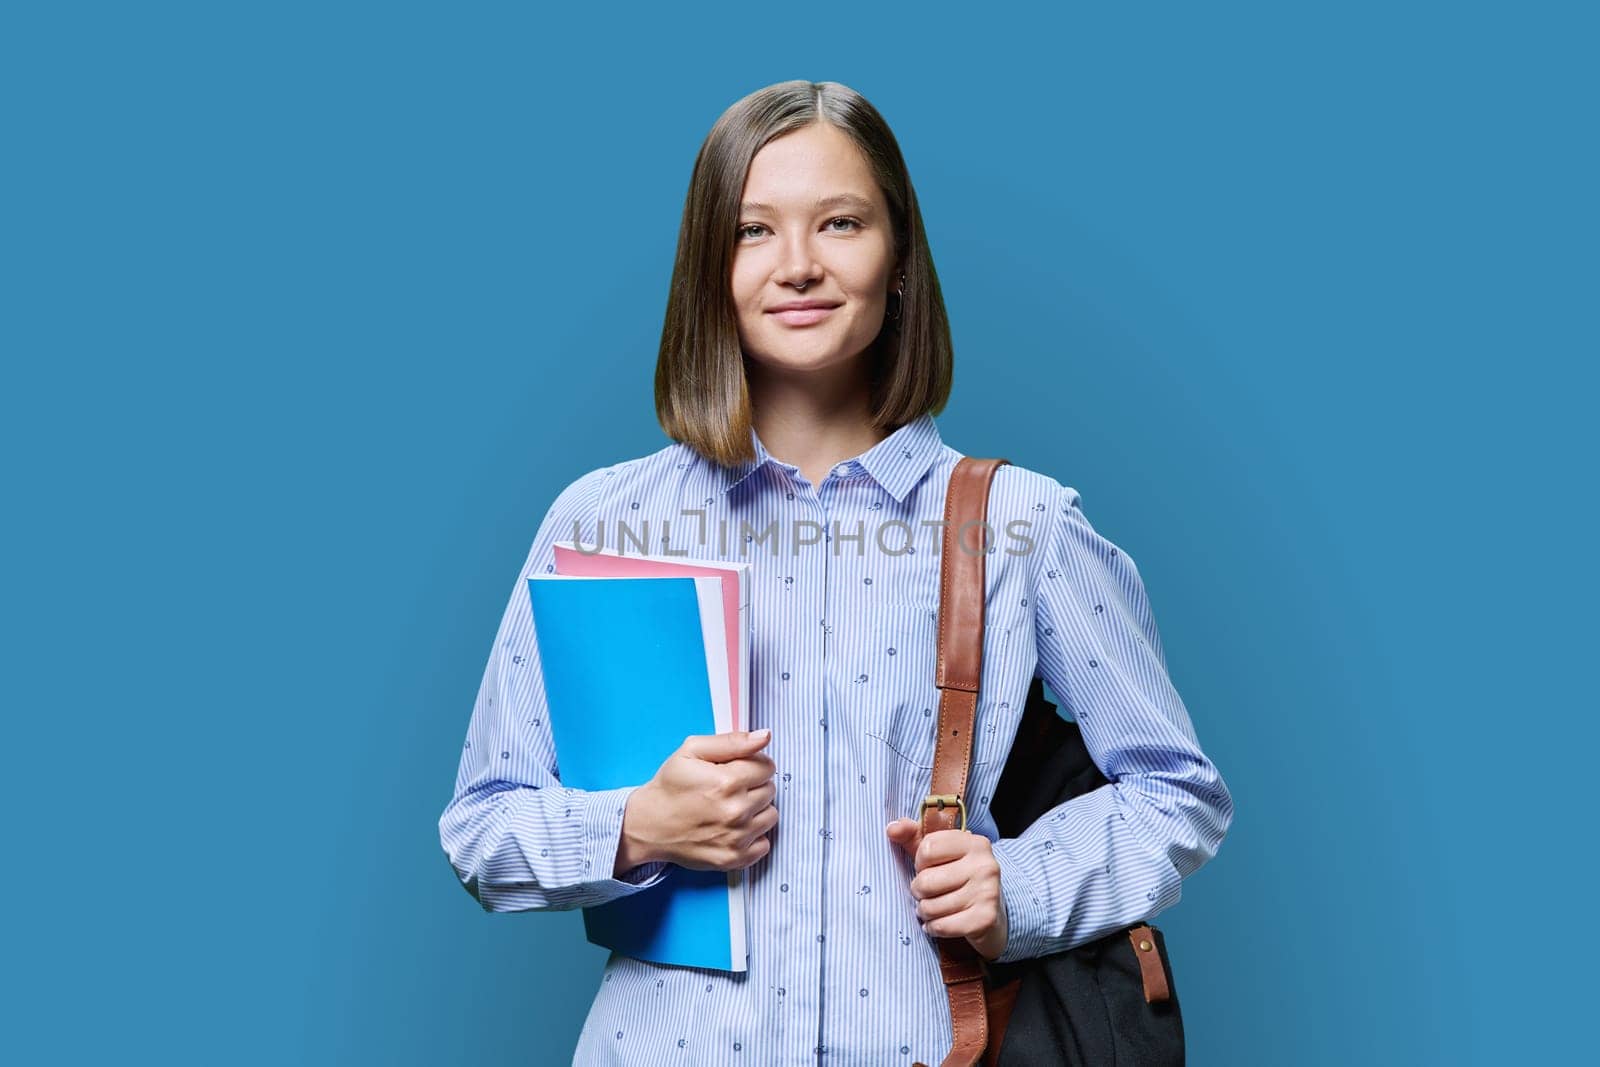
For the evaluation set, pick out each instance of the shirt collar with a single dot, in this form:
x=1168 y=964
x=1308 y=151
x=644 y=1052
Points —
x=897 y=463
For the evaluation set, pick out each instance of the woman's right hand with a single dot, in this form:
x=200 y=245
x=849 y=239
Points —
x=708 y=808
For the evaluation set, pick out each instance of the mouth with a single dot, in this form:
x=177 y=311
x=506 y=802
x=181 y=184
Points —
x=803 y=316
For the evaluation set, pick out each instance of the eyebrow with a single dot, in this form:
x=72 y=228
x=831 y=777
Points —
x=837 y=200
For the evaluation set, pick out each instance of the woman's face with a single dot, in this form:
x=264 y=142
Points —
x=814 y=228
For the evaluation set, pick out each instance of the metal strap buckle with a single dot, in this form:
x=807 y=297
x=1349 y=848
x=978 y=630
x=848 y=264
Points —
x=947 y=800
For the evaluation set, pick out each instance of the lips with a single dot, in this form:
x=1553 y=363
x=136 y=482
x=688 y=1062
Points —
x=803 y=315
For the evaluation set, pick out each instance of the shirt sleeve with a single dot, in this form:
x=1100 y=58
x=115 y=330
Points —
x=518 y=839
x=1115 y=856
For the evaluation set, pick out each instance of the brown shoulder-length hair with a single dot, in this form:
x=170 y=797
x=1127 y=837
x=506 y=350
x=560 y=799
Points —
x=702 y=398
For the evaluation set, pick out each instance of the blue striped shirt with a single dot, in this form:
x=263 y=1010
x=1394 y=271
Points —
x=844 y=609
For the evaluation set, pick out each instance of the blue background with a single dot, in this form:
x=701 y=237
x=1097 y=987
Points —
x=310 y=310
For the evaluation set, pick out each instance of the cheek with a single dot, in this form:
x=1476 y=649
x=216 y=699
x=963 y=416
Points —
x=745 y=284
x=745 y=290
x=870 y=303
x=869 y=306
x=866 y=282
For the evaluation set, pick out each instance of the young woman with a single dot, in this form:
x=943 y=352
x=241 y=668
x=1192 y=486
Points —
x=804 y=354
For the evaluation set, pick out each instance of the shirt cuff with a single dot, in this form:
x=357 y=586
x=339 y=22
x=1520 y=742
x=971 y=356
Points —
x=1026 y=937
x=602 y=836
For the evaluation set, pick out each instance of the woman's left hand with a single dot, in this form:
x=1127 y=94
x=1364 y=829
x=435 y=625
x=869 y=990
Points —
x=957 y=885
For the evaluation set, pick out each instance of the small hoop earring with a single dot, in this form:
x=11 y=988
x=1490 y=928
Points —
x=899 y=302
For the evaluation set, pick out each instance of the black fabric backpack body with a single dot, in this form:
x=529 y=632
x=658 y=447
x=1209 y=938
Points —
x=1087 y=1006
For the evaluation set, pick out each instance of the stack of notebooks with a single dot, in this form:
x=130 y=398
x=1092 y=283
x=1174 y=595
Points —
x=638 y=653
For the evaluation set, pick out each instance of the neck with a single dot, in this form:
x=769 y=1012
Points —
x=813 y=420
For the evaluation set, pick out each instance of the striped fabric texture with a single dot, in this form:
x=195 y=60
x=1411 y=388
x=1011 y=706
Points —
x=844 y=608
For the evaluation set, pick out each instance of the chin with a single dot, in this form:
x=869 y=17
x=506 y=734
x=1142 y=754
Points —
x=797 y=363
x=797 y=354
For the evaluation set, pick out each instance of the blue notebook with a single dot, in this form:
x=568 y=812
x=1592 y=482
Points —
x=631 y=667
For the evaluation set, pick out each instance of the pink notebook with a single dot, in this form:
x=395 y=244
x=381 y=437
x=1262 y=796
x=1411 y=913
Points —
x=601 y=563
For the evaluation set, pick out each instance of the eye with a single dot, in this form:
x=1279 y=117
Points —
x=851 y=224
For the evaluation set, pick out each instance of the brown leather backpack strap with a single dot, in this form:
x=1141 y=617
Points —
x=1148 y=952
x=960 y=668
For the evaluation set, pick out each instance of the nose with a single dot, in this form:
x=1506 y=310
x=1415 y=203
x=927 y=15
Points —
x=798 y=266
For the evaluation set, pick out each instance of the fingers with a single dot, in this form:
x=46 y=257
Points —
x=718 y=791
x=755 y=805
x=949 y=903
x=941 y=846
x=905 y=835
x=736 y=760
x=949 y=895
x=749 y=772
x=904 y=832
x=724 y=747
x=760 y=798
x=756 y=843
x=760 y=823
x=944 y=846
x=978 y=919
x=757 y=817
x=752 y=853
x=945 y=878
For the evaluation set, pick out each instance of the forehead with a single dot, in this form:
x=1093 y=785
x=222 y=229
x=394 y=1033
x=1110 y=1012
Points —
x=793 y=171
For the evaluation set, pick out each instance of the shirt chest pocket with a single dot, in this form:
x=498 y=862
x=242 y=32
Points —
x=902 y=706
x=901 y=703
